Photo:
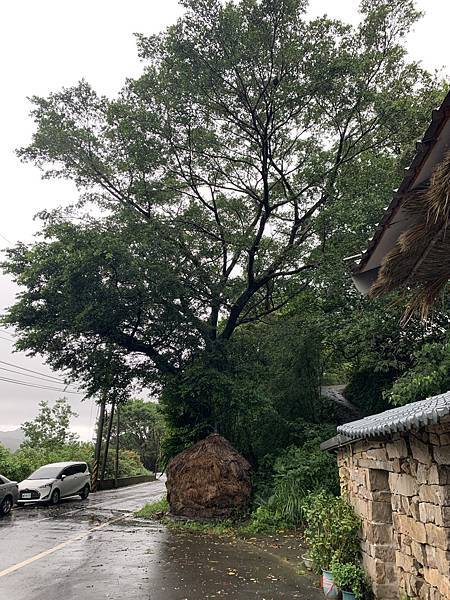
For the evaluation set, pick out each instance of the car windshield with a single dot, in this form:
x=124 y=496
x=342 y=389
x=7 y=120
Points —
x=49 y=472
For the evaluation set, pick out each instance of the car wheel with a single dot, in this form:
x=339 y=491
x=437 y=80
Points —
x=85 y=492
x=54 y=498
x=6 y=506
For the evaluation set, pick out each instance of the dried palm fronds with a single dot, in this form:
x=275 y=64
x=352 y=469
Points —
x=210 y=479
x=420 y=260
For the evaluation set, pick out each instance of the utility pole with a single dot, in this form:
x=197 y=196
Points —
x=116 y=464
x=108 y=439
x=98 y=444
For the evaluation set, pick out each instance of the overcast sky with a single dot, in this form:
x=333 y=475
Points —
x=49 y=44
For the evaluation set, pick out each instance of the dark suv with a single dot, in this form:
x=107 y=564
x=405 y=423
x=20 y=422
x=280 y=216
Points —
x=8 y=495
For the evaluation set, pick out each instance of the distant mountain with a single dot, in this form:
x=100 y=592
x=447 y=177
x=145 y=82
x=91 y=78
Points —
x=12 y=439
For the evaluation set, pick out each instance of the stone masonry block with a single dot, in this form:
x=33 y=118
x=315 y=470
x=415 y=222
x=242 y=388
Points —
x=438 y=536
x=377 y=454
x=418 y=551
x=424 y=591
x=410 y=527
x=420 y=450
x=359 y=476
x=361 y=508
x=445 y=516
x=376 y=533
x=403 y=484
x=391 y=465
x=430 y=493
x=404 y=561
x=437 y=559
x=405 y=505
x=414 y=508
x=435 y=594
x=442 y=427
x=384 y=552
x=396 y=503
x=422 y=474
x=442 y=454
x=377 y=480
x=385 y=591
x=375 y=568
x=443 y=494
x=397 y=449
x=437 y=580
x=380 y=512
x=439 y=475
x=430 y=513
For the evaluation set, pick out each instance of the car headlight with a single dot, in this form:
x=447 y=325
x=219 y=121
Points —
x=44 y=487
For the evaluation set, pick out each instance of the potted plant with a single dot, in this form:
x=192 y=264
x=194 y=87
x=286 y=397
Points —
x=308 y=562
x=332 y=528
x=350 y=578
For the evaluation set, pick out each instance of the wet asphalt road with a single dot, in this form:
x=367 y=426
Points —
x=96 y=549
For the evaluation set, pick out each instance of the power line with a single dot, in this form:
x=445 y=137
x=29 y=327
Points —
x=7 y=339
x=47 y=379
x=6 y=239
x=3 y=362
x=34 y=385
x=6 y=333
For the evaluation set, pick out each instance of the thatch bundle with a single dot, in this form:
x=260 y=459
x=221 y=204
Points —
x=420 y=260
x=210 y=479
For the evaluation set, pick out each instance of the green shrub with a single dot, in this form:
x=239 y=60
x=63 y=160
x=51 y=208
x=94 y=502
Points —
x=8 y=463
x=18 y=465
x=332 y=530
x=149 y=510
x=349 y=577
x=130 y=465
x=299 y=471
x=264 y=520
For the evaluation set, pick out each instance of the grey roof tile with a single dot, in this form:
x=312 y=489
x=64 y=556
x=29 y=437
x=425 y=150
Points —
x=403 y=418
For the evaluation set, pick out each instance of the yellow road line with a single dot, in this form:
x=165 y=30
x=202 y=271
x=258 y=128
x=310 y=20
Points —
x=45 y=553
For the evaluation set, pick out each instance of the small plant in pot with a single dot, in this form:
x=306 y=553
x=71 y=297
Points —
x=350 y=578
x=332 y=527
x=308 y=562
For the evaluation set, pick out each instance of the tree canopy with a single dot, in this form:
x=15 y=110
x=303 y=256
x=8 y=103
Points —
x=51 y=427
x=223 y=176
x=142 y=430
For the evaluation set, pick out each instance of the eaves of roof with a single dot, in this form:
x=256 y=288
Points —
x=440 y=117
x=336 y=442
x=400 y=419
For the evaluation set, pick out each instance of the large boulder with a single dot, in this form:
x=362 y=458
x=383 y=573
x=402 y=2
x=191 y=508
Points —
x=210 y=479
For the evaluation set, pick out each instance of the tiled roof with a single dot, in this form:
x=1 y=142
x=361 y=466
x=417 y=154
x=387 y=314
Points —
x=336 y=442
x=403 y=418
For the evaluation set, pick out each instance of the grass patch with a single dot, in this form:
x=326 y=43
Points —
x=160 y=508
x=262 y=521
x=224 y=527
x=153 y=509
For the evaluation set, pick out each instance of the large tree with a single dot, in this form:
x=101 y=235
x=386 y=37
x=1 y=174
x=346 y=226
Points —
x=142 y=429
x=51 y=428
x=218 y=171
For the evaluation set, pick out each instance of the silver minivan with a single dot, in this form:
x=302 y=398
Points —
x=50 y=483
x=8 y=495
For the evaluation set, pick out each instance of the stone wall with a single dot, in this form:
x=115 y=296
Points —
x=400 y=487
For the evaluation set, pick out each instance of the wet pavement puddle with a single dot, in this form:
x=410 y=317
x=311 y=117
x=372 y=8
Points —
x=97 y=550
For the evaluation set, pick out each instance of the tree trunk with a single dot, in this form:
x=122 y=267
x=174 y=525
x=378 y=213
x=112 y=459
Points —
x=98 y=444
x=116 y=463
x=107 y=441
